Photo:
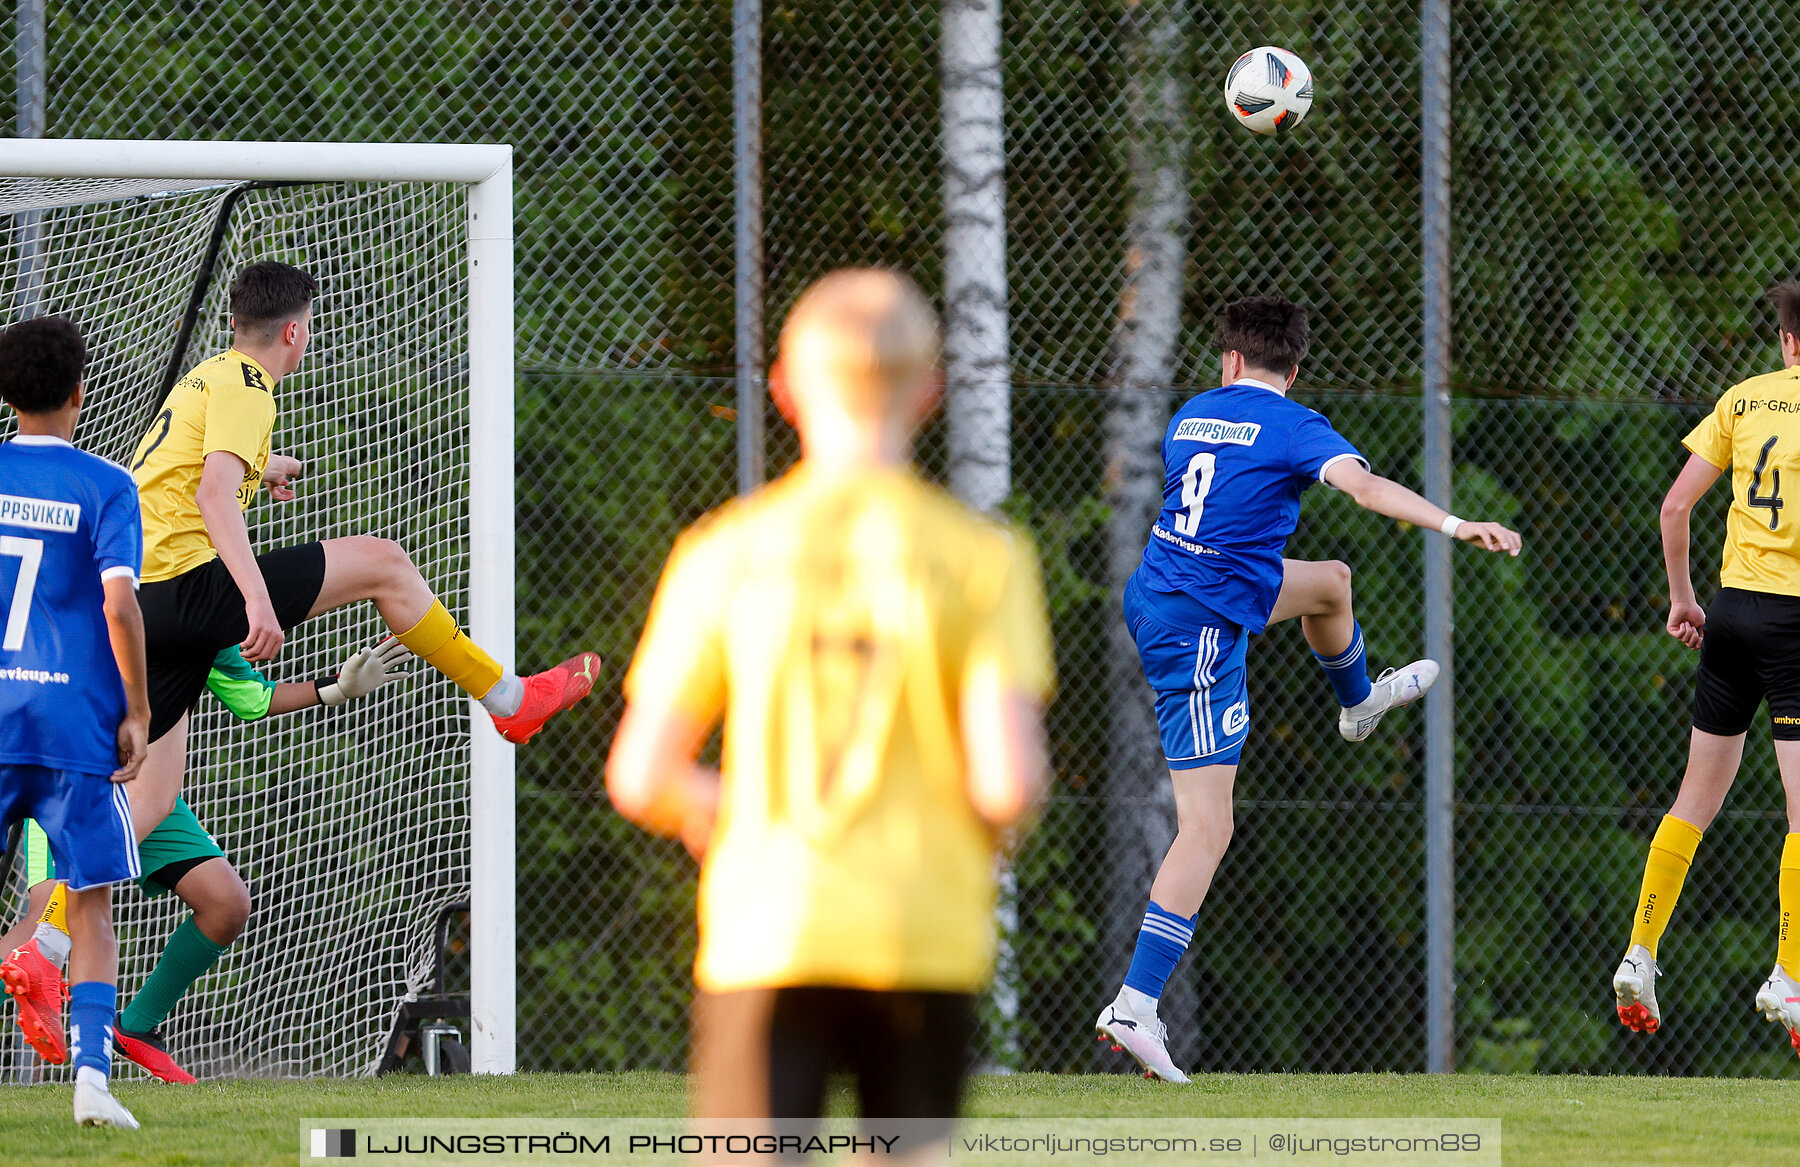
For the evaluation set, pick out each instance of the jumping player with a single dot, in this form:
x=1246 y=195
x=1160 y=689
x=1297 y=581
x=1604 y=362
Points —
x=204 y=460
x=178 y=855
x=1749 y=646
x=879 y=654
x=1237 y=460
x=74 y=710
x=201 y=463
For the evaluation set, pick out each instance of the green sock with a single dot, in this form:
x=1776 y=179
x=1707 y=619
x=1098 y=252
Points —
x=187 y=954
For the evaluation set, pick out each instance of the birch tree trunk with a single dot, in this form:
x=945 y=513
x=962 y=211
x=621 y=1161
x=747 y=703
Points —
x=977 y=365
x=1141 y=818
x=978 y=374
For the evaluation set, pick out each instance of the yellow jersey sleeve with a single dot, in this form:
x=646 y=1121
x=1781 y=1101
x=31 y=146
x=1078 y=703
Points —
x=680 y=659
x=1711 y=439
x=1011 y=637
x=239 y=419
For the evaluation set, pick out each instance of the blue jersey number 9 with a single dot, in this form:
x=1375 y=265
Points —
x=1194 y=487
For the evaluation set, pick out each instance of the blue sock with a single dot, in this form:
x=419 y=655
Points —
x=1348 y=672
x=1160 y=943
x=91 y=1008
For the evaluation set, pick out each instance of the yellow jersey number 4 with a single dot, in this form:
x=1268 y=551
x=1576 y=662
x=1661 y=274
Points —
x=1772 y=500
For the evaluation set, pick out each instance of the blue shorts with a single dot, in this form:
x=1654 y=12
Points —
x=85 y=817
x=1194 y=659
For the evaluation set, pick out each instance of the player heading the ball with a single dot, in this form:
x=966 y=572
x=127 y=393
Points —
x=74 y=711
x=1236 y=461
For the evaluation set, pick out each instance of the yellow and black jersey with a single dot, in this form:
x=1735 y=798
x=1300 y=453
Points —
x=832 y=621
x=227 y=403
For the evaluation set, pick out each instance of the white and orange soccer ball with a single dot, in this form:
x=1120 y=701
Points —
x=1269 y=90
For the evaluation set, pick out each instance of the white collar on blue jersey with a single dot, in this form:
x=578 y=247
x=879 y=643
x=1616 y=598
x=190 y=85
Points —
x=1276 y=389
x=38 y=440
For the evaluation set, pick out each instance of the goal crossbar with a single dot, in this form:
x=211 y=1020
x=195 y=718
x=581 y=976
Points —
x=487 y=172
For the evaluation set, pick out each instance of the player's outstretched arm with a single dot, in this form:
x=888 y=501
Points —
x=125 y=627
x=1384 y=496
x=218 y=503
x=1687 y=620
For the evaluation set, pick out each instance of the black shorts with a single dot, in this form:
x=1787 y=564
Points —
x=769 y=1052
x=189 y=618
x=1751 y=651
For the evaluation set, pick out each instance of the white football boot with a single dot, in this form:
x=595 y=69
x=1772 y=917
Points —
x=1779 y=1000
x=1145 y=1038
x=1634 y=988
x=95 y=1106
x=1391 y=690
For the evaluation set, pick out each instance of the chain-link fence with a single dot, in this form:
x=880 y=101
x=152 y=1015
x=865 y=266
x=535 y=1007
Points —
x=1622 y=192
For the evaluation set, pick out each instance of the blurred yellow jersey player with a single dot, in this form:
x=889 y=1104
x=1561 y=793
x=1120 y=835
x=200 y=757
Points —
x=879 y=655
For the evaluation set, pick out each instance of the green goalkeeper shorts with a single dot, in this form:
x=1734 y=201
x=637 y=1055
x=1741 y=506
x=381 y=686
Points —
x=178 y=842
x=177 y=845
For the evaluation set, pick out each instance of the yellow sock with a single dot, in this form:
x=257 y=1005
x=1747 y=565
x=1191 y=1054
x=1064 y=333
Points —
x=1671 y=851
x=437 y=641
x=1787 y=948
x=56 y=912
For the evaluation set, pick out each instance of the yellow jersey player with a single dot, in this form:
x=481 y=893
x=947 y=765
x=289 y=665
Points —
x=1749 y=644
x=879 y=656
x=205 y=458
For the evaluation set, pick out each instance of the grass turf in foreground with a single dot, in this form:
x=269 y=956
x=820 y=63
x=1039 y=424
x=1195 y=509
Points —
x=1547 y=1120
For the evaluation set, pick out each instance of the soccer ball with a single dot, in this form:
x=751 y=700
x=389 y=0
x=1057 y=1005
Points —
x=1269 y=90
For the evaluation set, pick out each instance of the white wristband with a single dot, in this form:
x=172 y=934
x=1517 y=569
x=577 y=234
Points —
x=1451 y=523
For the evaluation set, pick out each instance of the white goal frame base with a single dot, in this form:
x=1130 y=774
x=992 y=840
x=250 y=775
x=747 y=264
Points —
x=487 y=172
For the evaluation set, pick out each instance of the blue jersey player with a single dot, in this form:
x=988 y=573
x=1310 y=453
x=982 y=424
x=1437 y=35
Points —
x=1236 y=461
x=74 y=708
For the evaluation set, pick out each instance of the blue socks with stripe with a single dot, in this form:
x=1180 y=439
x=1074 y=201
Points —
x=92 y=1005
x=1348 y=672
x=1162 y=939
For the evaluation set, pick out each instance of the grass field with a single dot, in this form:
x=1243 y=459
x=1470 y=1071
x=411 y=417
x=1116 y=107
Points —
x=1546 y=1120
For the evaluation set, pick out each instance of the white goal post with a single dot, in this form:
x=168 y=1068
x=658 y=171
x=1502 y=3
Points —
x=486 y=173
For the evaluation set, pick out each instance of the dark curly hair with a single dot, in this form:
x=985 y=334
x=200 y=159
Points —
x=1270 y=332
x=267 y=295
x=41 y=363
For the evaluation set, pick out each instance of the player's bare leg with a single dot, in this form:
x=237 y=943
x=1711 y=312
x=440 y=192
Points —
x=153 y=793
x=94 y=972
x=1779 y=998
x=1203 y=825
x=1712 y=767
x=363 y=567
x=1318 y=594
x=33 y=977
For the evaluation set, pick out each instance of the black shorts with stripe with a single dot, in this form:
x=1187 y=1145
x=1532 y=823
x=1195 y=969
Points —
x=1751 y=651
x=189 y=618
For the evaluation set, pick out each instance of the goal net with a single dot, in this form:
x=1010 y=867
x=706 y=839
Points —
x=351 y=827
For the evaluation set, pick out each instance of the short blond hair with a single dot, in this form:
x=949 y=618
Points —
x=861 y=334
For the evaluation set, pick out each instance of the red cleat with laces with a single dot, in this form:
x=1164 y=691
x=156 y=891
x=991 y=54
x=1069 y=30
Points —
x=32 y=981
x=549 y=693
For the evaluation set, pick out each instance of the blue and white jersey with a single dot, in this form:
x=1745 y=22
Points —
x=1235 y=463
x=68 y=520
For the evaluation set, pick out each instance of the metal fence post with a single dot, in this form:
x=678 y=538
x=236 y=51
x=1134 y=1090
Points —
x=747 y=177
x=1440 y=706
x=29 y=82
